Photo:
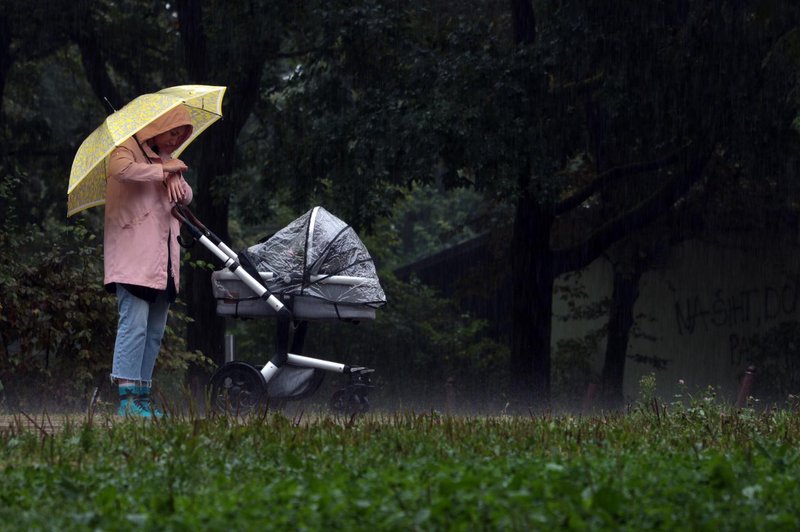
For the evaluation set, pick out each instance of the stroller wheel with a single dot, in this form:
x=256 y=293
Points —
x=347 y=402
x=237 y=388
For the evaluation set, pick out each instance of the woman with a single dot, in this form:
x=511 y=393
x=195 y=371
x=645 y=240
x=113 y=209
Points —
x=141 y=250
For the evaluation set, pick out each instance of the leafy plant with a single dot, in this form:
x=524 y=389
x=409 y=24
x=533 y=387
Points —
x=704 y=466
x=57 y=323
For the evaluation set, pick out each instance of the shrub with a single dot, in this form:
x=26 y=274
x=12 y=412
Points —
x=57 y=323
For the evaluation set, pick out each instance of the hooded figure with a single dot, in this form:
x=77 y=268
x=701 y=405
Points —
x=141 y=249
x=138 y=223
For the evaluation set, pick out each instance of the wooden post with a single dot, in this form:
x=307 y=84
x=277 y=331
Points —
x=746 y=387
x=588 y=399
x=450 y=398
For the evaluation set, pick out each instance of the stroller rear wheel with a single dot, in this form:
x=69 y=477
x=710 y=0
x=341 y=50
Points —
x=237 y=388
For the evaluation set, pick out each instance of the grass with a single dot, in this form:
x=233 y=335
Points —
x=696 y=466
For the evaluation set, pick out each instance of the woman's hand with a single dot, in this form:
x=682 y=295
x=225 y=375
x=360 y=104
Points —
x=173 y=181
x=175 y=189
x=174 y=166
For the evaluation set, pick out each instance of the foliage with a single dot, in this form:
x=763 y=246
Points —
x=573 y=368
x=647 y=389
x=700 y=466
x=364 y=115
x=57 y=323
x=428 y=220
x=572 y=358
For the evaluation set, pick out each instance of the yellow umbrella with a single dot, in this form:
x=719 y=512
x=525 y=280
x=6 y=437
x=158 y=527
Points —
x=87 y=179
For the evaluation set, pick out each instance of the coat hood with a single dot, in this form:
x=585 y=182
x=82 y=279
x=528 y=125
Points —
x=173 y=118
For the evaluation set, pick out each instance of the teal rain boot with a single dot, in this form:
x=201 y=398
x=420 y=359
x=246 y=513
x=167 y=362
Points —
x=128 y=404
x=142 y=399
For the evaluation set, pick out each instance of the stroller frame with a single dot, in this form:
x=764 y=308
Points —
x=242 y=386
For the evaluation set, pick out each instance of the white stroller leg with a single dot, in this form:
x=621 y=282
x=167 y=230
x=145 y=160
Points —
x=269 y=370
x=309 y=362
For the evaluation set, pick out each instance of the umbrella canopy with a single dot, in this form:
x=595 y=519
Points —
x=87 y=179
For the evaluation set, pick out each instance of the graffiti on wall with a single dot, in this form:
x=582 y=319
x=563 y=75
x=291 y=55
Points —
x=751 y=308
x=739 y=347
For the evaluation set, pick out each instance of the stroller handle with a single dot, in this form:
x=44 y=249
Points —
x=196 y=228
x=228 y=257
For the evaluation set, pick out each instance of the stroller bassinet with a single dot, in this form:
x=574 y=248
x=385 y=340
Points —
x=317 y=263
x=317 y=268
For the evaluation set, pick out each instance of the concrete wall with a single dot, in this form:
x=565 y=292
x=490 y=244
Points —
x=700 y=308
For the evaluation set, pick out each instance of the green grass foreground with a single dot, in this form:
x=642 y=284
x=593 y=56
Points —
x=656 y=467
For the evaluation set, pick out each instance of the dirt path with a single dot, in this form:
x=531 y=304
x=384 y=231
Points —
x=46 y=423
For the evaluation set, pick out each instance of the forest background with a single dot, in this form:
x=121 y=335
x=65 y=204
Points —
x=559 y=131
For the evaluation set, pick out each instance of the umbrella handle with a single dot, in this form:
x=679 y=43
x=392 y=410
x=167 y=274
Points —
x=186 y=244
x=181 y=213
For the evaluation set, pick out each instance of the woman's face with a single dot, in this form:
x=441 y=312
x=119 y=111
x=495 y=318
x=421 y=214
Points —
x=169 y=141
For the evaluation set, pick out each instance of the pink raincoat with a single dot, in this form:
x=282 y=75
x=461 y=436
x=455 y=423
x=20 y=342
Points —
x=138 y=223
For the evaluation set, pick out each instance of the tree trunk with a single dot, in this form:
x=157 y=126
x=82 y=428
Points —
x=531 y=264
x=5 y=56
x=206 y=332
x=94 y=64
x=523 y=21
x=624 y=295
x=217 y=148
x=532 y=304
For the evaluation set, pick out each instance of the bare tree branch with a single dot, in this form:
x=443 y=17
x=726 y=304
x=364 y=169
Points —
x=658 y=203
x=609 y=176
x=94 y=64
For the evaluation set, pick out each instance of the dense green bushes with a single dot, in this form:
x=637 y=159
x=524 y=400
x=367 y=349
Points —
x=57 y=323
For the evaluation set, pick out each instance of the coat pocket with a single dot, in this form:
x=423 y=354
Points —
x=131 y=219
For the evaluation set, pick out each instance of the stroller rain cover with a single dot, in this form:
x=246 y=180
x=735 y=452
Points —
x=312 y=249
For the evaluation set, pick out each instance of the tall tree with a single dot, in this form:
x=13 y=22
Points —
x=31 y=147
x=20 y=24
x=668 y=65
x=449 y=100
x=223 y=44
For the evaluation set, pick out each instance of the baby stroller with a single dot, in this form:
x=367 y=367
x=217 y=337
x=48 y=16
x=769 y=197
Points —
x=316 y=269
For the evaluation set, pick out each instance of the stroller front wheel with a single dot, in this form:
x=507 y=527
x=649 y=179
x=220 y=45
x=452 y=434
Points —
x=237 y=388
x=349 y=402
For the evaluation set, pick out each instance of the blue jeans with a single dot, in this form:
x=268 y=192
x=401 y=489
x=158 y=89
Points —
x=139 y=332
